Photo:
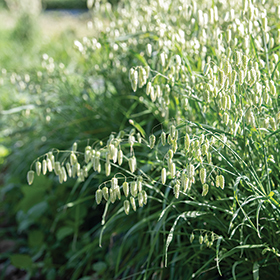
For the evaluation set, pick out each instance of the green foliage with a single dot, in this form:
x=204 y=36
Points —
x=174 y=118
x=64 y=4
x=25 y=29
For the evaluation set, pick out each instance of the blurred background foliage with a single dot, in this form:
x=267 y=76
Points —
x=50 y=97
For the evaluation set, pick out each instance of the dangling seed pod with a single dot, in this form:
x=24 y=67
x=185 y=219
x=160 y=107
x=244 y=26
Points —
x=226 y=118
x=57 y=167
x=139 y=138
x=212 y=237
x=64 y=174
x=153 y=95
x=132 y=202
x=49 y=165
x=163 y=176
x=126 y=189
x=114 y=182
x=200 y=239
x=158 y=91
x=145 y=197
x=209 y=157
x=126 y=206
x=74 y=170
x=74 y=147
x=120 y=157
x=217 y=181
x=96 y=160
x=105 y=193
x=133 y=188
x=38 y=168
x=112 y=195
x=149 y=50
x=52 y=160
x=205 y=239
x=69 y=169
x=85 y=171
x=115 y=155
x=78 y=168
x=98 y=196
x=221 y=78
x=205 y=189
x=60 y=177
x=202 y=175
x=172 y=131
x=162 y=59
x=99 y=168
x=241 y=77
x=107 y=168
x=73 y=159
x=140 y=199
x=118 y=192
x=44 y=167
x=223 y=103
x=163 y=138
x=132 y=164
x=191 y=238
x=187 y=142
x=173 y=170
x=176 y=190
x=30 y=177
x=185 y=181
x=190 y=171
x=221 y=182
x=87 y=155
x=81 y=175
x=204 y=149
x=149 y=88
x=139 y=183
x=134 y=80
x=152 y=140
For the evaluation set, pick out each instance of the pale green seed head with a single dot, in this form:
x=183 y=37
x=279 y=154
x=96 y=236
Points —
x=30 y=177
x=98 y=196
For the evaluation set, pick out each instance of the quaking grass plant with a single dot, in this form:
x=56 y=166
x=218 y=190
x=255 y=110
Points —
x=204 y=180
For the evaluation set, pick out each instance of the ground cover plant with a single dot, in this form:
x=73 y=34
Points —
x=184 y=179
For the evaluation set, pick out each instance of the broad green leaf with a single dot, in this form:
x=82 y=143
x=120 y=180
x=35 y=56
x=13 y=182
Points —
x=21 y=261
x=35 y=238
x=63 y=232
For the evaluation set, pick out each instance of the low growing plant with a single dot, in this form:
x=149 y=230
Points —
x=190 y=185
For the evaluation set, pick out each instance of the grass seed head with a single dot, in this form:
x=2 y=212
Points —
x=173 y=170
x=205 y=189
x=163 y=138
x=133 y=188
x=44 y=167
x=152 y=140
x=105 y=193
x=98 y=196
x=38 y=168
x=30 y=177
x=113 y=196
x=202 y=175
x=133 y=203
x=163 y=176
x=126 y=189
x=140 y=199
x=126 y=206
x=49 y=165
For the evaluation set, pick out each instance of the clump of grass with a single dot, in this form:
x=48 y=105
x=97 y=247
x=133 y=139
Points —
x=200 y=172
